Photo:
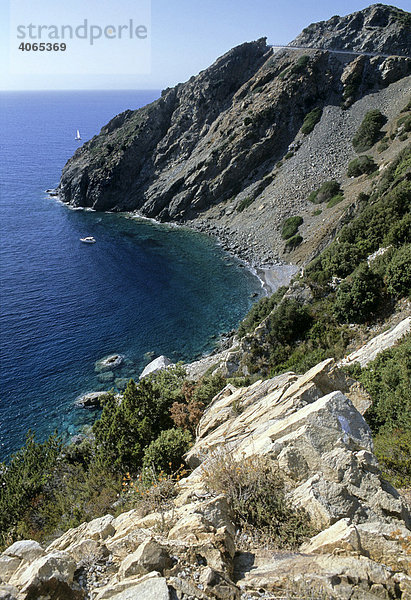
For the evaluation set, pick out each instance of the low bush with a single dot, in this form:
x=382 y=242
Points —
x=387 y=380
x=359 y=166
x=245 y=203
x=293 y=242
x=369 y=131
x=166 y=452
x=398 y=276
x=335 y=200
x=291 y=226
x=325 y=192
x=311 y=120
x=255 y=490
x=357 y=298
x=23 y=480
x=259 y=311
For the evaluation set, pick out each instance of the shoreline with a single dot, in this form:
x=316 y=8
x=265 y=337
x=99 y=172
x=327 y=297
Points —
x=272 y=274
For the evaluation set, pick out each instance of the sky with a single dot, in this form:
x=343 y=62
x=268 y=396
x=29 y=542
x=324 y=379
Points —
x=182 y=38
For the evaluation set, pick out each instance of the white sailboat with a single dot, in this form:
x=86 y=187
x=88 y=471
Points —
x=78 y=137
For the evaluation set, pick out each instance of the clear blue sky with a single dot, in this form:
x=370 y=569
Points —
x=186 y=36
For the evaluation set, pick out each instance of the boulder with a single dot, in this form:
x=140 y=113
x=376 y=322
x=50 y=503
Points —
x=49 y=574
x=8 y=566
x=150 y=556
x=109 y=363
x=158 y=364
x=378 y=344
x=148 y=587
x=323 y=576
x=25 y=549
x=90 y=400
x=99 y=530
x=8 y=592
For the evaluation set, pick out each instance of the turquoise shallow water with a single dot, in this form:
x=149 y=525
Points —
x=142 y=288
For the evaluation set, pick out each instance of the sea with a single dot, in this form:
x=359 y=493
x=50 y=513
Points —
x=142 y=290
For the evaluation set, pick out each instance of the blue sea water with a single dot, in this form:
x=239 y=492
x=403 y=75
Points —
x=142 y=290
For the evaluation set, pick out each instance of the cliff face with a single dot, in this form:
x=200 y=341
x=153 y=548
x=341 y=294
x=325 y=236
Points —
x=209 y=150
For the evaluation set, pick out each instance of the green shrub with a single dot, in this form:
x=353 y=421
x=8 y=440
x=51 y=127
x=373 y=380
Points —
x=291 y=226
x=316 y=212
x=387 y=380
x=288 y=322
x=259 y=311
x=24 y=480
x=126 y=428
x=357 y=298
x=293 y=242
x=404 y=123
x=300 y=65
x=359 y=166
x=335 y=200
x=288 y=155
x=369 y=131
x=245 y=203
x=255 y=490
x=399 y=232
x=248 y=121
x=296 y=68
x=328 y=190
x=166 y=452
x=311 y=120
x=398 y=278
x=393 y=451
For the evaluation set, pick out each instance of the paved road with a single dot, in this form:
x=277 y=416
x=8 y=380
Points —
x=274 y=46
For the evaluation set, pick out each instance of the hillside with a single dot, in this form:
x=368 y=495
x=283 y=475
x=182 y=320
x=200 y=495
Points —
x=279 y=466
x=225 y=153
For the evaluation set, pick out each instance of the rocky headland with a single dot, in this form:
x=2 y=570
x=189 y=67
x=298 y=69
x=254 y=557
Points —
x=225 y=153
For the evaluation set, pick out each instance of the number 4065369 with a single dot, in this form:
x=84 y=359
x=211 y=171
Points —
x=43 y=47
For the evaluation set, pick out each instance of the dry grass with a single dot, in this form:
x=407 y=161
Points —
x=256 y=491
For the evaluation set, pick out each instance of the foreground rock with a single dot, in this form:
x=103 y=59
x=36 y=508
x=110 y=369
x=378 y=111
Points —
x=310 y=429
x=378 y=344
x=90 y=400
x=156 y=365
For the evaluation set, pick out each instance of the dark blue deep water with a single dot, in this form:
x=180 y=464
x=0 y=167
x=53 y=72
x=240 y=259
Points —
x=142 y=288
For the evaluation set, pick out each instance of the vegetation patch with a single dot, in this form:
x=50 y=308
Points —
x=293 y=242
x=335 y=200
x=291 y=226
x=245 y=203
x=256 y=490
x=369 y=131
x=387 y=380
x=359 y=166
x=326 y=192
x=311 y=120
x=259 y=311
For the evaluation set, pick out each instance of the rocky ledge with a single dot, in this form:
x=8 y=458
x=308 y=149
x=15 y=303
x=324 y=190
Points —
x=312 y=429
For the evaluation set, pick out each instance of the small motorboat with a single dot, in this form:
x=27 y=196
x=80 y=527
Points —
x=88 y=240
x=78 y=136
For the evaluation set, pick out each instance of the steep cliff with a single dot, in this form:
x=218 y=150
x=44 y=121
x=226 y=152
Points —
x=208 y=151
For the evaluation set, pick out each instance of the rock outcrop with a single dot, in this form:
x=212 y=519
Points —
x=320 y=442
x=156 y=365
x=378 y=344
